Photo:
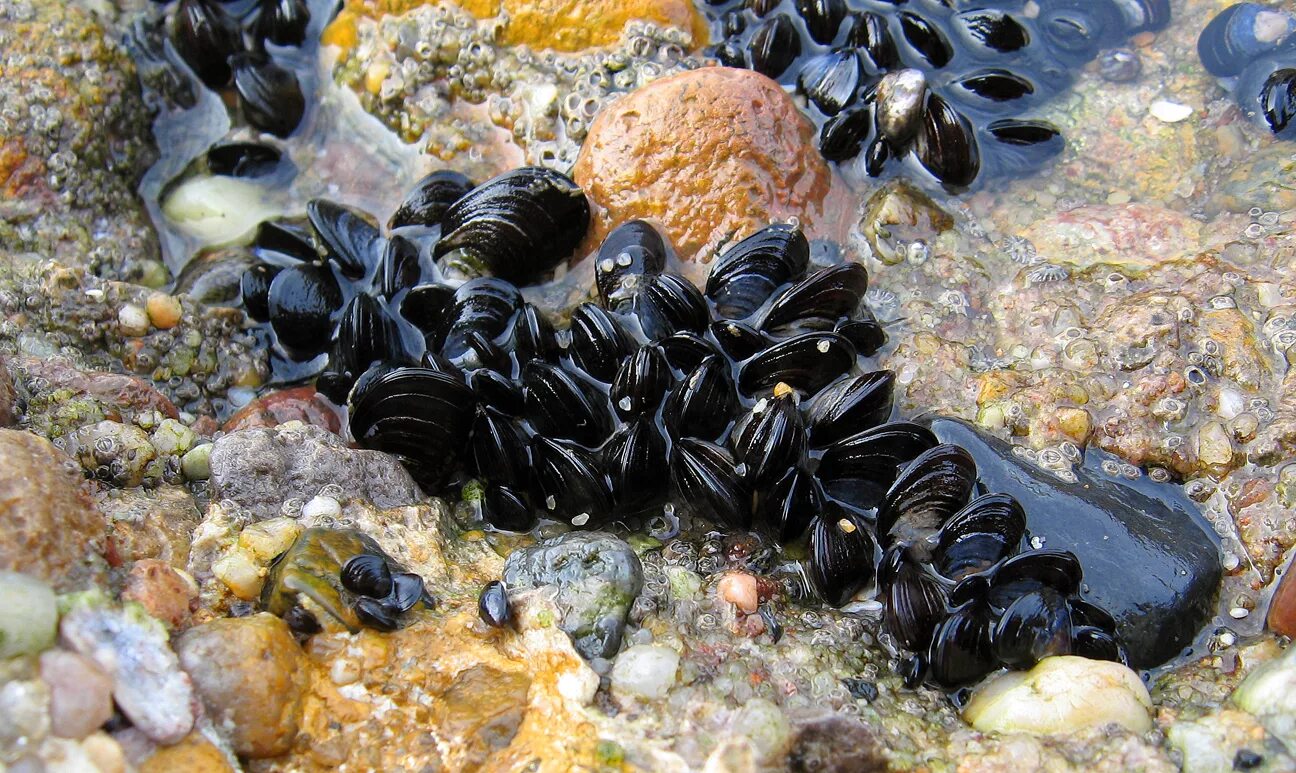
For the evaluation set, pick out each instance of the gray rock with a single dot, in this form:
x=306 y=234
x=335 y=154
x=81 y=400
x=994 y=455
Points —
x=835 y=744
x=259 y=469
x=597 y=577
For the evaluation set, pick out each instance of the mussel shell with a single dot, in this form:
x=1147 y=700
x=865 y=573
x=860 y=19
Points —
x=991 y=32
x=960 y=650
x=493 y=605
x=822 y=18
x=270 y=96
x=860 y=469
x=407 y=591
x=376 y=614
x=738 y=339
x=365 y=335
x=484 y=305
x=206 y=36
x=742 y=279
x=841 y=556
x=1097 y=644
x=598 y=342
x=701 y=405
x=1145 y=15
x=497 y=391
x=1034 y=626
x=560 y=405
x=771 y=440
x=569 y=482
x=499 y=449
x=631 y=253
x=730 y=53
x=242 y=159
x=913 y=605
x=806 y=362
x=784 y=511
x=533 y=336
x=286 y=238
x=346 y=236
x=926 y=39
x=1228 y=42
x=640 y=384
x=482 y=352
x=283 y=22
x=1022 y=146
x=946 y=145
x=830 y=81
x=506 y=509
x=685 y=351
x=669 y=304
x=1277 y=102
x=399 y=267
x=635 y=457
x=849 y=406
x=980 y=535
x=868 y=32
x=254 y=288
x=521 y=223
x=367 y=575
x=430 y=199
x=843 y=136
x=931 y=489
x=1076 y=30
x=705 y=482
x=300 y=304
x=417 y=413
x=996 y=85
x=1029 y=571
x=774 y=46
x=426 y=308
x=819 y=301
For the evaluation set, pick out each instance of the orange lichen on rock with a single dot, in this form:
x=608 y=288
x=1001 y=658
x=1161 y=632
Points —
x=710 y=155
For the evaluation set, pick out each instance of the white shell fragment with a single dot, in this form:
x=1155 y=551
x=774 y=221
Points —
x=1061 y=695
x=1170 y=112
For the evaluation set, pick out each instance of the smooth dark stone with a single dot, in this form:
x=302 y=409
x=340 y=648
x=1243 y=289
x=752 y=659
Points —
x=1149 y=557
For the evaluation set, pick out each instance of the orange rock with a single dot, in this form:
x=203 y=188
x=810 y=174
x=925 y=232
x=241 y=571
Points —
x=1282 y=608
x=711 y=155
x=163 y=591
x=302 y=404
x=194 y=754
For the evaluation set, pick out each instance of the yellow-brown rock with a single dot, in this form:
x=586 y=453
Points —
x=251 y=676
x=194 y=754
x=49 y=528
x=711 y=155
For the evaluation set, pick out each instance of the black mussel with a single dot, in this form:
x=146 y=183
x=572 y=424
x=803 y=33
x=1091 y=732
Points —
x=869 y=32
x=685 y=351
x=520 y=224
x=635 y=459
x=1033 y=627
x=701 y=404
x=283 y=22
x=559 y=404
x=760 y=7
x=864 y=332
x=569 y=482
x=493 y=605
x=996 y=84
x=731 y=54
x=365 y=335
x=991 y=32
x=841 y=555
x=598 y=342
x=933 y=487
x=960 y=650
x=376 y=614
x=482 y=352
x=876 y=156
x=849 y=406
x=641 y=383
x=242 y=159
x=742 y=279
x=1025 y=572
x=431 y=198
x=1097 y=644
x=771 y=439
x=1240 y=34
x=270 y=96
x=830 y=81
x=914 y=604
x=822 y=18
x=254 y=287
x=399 y=268
x=860 y=469
x=706 y=482
x=807 y=363
x=784 y=510
x=928 y=41
x=1077 y=29
x=669 y=304
x=842 y=136
x=738 y=339
x=499 y=449
x=417 y=413
x=774 y=46
x=733 y=23
x=1277 y=102
x=498 y=391
x=484 y=305
x=301 y=303
x=630 y=254
x=367 y=575
x=1145 y=15
x=288 y=239
x=819 y=301
x=533 y=336
x=1023 y=146
x=302 y=622
x=507 y=509
x=346 y=236
x=980 y=535
x=206 y=37
x=407 y=590
x=437 y=363
x=425 y=307
x=946 y=145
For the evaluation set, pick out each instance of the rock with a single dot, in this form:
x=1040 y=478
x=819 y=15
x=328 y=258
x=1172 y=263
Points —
x=164 y=311
x=8 y=397
x=120 y=454
x=28 y=615
x=740 y=589
x=1132 y=236
x=835 y=744
x=115 y=396
x=194 y=754
x=24 y=704
x=645 y=671
x=196 y=464
x=1269 y=694
x=596 y=575
x=1215 y=741
x=48 y=526
x=1149 y=558
x=762 y=722
x=259 y=469
x=1061 y=695
x=166 y=593
x=80 y=693
x=250 y=674
x=302 y=404
x=1281 y=617
x=149 y=687
x=171 y=438
x=144 y=524
x=896 y=215
x=711 y=155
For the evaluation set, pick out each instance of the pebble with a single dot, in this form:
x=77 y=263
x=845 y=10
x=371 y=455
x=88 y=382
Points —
x=1169 y=112
x=302 y=404
x=118 y=453
x=28 y=615
x=80 y=693
x=196 y=464
x=741 y=590
x=1065 y=694
x=167 y=593
x=164 y=310
x=321 y=507
x=1269 y=694
x=1281 y=617
x=645 y=671
x=132 y=320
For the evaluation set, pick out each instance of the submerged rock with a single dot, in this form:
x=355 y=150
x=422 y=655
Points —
x=1060 y=695
x=597 y=577
x=1149 y=559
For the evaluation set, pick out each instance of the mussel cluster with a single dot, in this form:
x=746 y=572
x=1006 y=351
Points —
x=1254 y=47
x=226 y=44
x=939 y=82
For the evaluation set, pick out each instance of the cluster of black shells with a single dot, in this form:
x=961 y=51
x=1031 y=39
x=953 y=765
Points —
x=749 y=404
x=232 y=44
x=382 y=595
x=1253 y=46
x=936 y=84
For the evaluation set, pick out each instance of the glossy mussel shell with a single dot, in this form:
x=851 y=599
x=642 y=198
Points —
x=419 y=414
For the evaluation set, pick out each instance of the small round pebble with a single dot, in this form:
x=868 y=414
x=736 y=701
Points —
x=80 y=693
x=133 y=320
x=321 y=507
x=28 y=615
x=196 y=464
x=741 y=590
x=164 y=310
x=645 y=671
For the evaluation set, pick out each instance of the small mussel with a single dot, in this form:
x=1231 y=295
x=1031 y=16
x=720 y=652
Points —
x=270 y=95
x=206 y=37
x=431 y=198
x=493 y=605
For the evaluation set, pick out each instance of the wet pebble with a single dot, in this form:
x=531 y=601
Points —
x=28 y=615
x=645 y=671
x=1062 y=694
x=80 y=693
x=167 y=593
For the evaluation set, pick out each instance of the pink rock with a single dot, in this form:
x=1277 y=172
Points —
x=164 y=591
x=80 y=693
x=741 y=590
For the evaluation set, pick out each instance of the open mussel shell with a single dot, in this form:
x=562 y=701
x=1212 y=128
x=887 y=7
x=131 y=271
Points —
x=830 y=81
x=493 y=605
x=206 y=37
x=701 y=404
x=946 y=145
x=784 y=510
x=1242 y=33
x=928 y=491
x=849 y=406
x=346 y=236
x=807 y=363
x=744 y=278
x=980 y=535
x=860 y=469
x=499 y=449
x=640 y=384
x=841 y=555
x=1034 y=626
x=569 y=482
x=914 y=604
x=669 y=304
x=706 y=482
x=961 y=651
x=822 y=18
x=560 y=405
x=270 y=96
x=520 y=224
x=819 y=301
x=533 y=336
x=996 y=84
x=990 y=32
x=925 y=39
x=635 y=457
x=283 y=22
x=507 y=509
x=242 y=159
x=431 y=198
x=771 y=440
x=598 y=342
x=416 y=413
x=377 y=614
x=774 y=46
x=300 y=304
x=631 y=254
x=407 y=591
x=484 y=305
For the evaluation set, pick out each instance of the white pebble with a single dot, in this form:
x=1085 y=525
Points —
x=1061 y=694
x=1237 y=613
x=133 y=320
x=321 y=507
x=645 y=671
x=1169 y=112
x=581 y=519
x=824 y=346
